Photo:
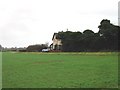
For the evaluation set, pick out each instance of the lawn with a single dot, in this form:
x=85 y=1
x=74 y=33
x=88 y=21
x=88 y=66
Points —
x=60 y=70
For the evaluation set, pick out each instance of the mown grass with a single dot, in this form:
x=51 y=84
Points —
x=60 y=70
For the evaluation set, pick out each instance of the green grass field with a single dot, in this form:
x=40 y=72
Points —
x=60 y=70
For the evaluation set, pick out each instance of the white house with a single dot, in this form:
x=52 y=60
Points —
x=57 y=43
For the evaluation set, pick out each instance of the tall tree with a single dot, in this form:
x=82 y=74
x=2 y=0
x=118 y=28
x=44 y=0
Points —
x=110 y=34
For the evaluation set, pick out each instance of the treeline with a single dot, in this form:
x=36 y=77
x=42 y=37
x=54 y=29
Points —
x=36 y=48
x=30 y=48
x=106 y=39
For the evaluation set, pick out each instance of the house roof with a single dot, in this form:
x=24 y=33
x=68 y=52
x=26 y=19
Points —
x=54 y=35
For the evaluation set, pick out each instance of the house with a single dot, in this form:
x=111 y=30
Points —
x=57 y=43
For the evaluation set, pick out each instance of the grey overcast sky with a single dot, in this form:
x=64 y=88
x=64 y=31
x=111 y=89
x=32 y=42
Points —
x=28 y=22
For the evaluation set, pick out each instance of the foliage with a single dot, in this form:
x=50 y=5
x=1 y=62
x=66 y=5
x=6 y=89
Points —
x=36 y=48
x=110 y=34
x=106 y=39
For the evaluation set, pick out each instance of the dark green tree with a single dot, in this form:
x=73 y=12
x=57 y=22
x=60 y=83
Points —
x=106 y=39
x=110 y=34
x=36 y=48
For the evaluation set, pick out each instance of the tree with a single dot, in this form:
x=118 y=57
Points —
x=0 y=47
x=70 y=40
x=36 y=48
x=88 y=37
x=105 y=39
x=110 y=34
